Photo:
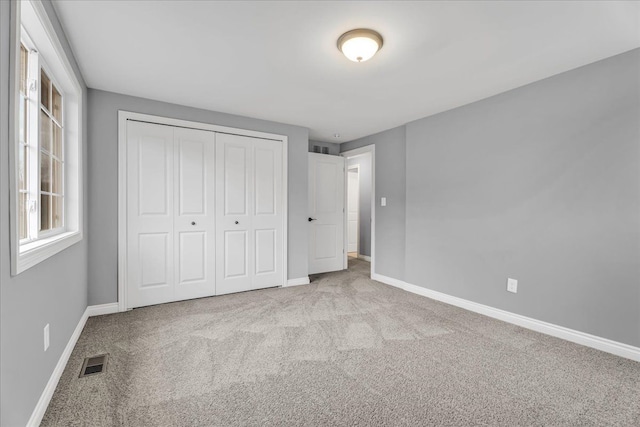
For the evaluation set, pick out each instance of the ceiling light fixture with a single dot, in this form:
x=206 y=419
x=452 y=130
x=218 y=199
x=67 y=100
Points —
x=360 y=44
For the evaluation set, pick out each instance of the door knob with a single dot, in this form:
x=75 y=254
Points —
x=236 y=222
x=193 y=223
x=312 y=219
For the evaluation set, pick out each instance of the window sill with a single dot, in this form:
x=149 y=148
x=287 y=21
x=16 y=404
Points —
x=35 y=252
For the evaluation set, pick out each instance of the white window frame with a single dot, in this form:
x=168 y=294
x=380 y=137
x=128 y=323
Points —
x=30 y=22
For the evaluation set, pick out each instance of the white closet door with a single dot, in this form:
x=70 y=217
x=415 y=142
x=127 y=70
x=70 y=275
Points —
x=194 y=225
x=268 y=214
x=326 y=213
x=150 y=214
x=249 y=214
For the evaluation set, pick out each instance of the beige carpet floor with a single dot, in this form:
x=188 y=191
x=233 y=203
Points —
x=342 y=351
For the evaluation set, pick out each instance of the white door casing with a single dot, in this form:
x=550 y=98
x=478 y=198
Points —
x=249 y=213
x=326 y=213
x=353 y=210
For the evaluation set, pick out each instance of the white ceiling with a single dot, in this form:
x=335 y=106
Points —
x=278 y=60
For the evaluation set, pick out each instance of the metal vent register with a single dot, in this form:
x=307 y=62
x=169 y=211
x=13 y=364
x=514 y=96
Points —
x=94 y=365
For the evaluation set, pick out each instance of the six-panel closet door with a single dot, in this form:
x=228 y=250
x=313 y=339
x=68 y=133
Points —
x=170 y=214
x=249 y=213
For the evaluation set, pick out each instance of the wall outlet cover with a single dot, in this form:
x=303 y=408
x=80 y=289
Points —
x=512 y=285
x=46 y=337
x=383 y=201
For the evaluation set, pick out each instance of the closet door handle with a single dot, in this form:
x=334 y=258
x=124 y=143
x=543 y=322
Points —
x=312 y=219
x=236 y=222
x=193 y=223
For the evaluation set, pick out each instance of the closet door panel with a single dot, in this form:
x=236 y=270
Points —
x=234 y=185
x=194 y=223
x=150 y=198
x=268 y=214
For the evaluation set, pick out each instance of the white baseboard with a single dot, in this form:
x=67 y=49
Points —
x=364 y=257
x=296 y=282
x=47 y=394
x=99 y=310
x=603 y=344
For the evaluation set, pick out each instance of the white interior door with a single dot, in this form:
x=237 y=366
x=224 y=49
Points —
x=353 y=203
x=194 y=228
x=326 y=213
x=170 y=200
x=150 y=238
x=249 y=213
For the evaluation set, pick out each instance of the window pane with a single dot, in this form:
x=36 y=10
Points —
x=45 y=131
x=23 y=118
x=22 y=216
x=57 y=141
x=57 y=177
x=57 y=211
x=45 y=203
x=24 y=68
x=22 y=167
x=45 y=83
x=57 y=104
x=45 y=168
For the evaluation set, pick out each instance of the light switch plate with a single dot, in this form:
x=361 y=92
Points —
x=512 y=285
x=383 y=201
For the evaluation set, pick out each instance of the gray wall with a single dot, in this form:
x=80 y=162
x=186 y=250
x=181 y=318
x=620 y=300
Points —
x=103 y=176
x=364 y=202
x=540 y=184
x=334 y=149
x=390 y=162
x=54 y=291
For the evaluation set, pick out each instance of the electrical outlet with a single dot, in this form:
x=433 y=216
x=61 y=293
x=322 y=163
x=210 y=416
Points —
x=512 y=285
x=383 y=201
x=46 y=337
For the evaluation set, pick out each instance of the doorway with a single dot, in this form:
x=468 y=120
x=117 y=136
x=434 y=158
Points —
x=360 y=207
x=353 y=209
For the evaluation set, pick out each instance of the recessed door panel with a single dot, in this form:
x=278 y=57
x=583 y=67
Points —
x=192 y=187
x=153 y=259
x=325 y=238
x=193 y=257
x=265 y=251
x=326 y=183
x=235 y=245
x=235 y=179
x=265 y=176
x=153 y=186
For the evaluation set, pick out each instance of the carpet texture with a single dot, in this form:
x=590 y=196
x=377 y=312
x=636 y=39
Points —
x=342 y=351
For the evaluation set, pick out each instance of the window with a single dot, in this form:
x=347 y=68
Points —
x=47 y=179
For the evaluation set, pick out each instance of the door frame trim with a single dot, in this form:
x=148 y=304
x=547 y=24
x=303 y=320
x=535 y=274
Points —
x=353 y=153
x=123 y=117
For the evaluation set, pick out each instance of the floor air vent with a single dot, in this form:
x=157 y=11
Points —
x=94 y=365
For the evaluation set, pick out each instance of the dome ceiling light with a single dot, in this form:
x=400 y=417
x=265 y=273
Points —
x=360 y=44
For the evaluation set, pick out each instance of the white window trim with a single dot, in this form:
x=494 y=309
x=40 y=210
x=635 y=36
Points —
x=27 y=255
